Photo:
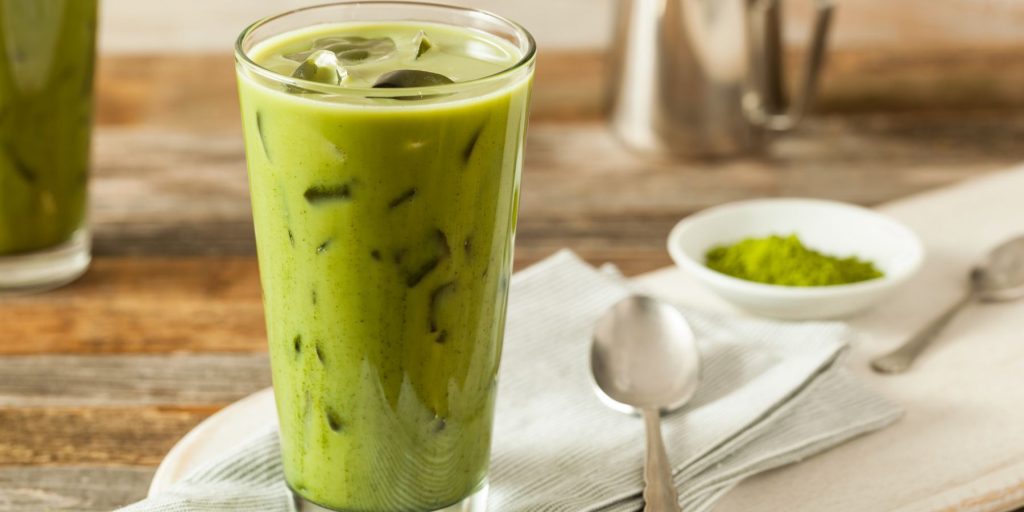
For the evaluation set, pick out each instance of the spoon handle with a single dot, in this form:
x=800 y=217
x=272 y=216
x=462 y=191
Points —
x=659 y=491
x=899 y=360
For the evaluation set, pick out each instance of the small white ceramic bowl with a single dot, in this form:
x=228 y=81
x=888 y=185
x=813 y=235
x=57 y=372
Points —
x=833 y=228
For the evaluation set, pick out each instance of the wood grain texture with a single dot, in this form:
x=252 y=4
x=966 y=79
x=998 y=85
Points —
x=71 y=488
x=122 y=380
x=165 y=92
x=907 y=79
x=98 y=435
x=173 y=234
x=150 y=305
x=174 y=195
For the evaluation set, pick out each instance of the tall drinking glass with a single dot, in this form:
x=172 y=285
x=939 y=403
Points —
x=47 y=51
x=384 y=143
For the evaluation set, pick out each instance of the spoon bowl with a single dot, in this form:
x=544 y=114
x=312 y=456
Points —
x=645 y=356
x=1001 y=273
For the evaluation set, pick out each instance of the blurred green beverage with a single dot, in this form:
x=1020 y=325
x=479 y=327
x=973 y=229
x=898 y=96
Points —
x=47 y=52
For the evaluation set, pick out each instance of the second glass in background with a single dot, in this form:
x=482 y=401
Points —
x=47 y=53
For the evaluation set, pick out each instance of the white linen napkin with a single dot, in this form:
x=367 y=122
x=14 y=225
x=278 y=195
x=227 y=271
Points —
x=772 y=393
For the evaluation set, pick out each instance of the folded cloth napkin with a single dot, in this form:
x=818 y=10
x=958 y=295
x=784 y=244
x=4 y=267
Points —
x=771 y=394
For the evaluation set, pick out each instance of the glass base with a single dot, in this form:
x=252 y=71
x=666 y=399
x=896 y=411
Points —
x=476 y=502
x=46 y=269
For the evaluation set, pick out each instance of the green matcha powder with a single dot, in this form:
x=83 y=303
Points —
x=785 y=260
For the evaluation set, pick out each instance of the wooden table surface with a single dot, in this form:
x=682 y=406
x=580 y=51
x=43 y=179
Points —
x=99 y=379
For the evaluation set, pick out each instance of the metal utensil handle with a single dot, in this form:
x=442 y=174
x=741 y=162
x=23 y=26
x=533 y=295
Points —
x=659 y=490
x=902 y=358
x=769 y=60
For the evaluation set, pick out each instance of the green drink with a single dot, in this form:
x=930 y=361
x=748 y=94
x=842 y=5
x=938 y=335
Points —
x=384 y=158
x=47 y=49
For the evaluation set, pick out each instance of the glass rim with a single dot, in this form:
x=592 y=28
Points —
x=243 y=58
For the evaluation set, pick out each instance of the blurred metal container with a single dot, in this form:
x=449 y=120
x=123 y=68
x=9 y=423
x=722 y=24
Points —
x=705 y=77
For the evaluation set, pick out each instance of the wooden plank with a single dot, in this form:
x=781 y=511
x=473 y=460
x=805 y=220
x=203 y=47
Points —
x=900 y=79
x=167 y=92
x=156 y=306
x=870 y=158
x=72 y=380
x=174 y=237
x=884 y=25
x=58 y=436
x=135 y=305
x=195 y=91
x=78 y=489
x=189 y=197
x=172 y=189
x=571 y=85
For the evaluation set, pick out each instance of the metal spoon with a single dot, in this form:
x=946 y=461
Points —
x=999 y=277
x=645 y=358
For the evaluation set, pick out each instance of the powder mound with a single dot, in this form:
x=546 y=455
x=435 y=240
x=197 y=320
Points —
x=786 y=261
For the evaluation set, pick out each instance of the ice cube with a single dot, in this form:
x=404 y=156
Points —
x=422 y=44
x=410 y=78
x=350 y=49
x=321 y=66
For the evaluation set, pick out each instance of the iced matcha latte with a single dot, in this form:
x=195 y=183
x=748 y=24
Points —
x=384 y=145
